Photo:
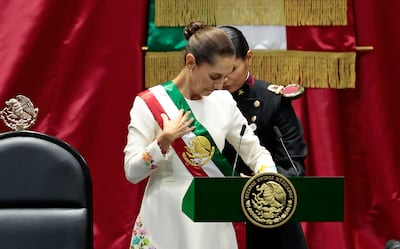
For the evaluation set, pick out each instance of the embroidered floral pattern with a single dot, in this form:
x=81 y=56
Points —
x=139 y=239
x=148 y=159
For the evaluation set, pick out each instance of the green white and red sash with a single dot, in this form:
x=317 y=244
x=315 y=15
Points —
x=167 y=99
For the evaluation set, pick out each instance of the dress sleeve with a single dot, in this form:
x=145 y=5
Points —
x=142 y=152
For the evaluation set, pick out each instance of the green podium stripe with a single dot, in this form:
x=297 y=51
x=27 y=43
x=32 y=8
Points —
x=319 y=198
x=218 y=199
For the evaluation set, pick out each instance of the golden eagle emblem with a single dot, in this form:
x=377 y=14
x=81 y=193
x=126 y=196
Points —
x=199 y=152
x=19 y=114
x=268 y=200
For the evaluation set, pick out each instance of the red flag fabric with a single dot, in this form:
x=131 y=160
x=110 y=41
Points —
x=324 y=38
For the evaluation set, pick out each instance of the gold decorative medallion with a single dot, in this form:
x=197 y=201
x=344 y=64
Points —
x=268 y=200
x=199 y=152
x=19 y=114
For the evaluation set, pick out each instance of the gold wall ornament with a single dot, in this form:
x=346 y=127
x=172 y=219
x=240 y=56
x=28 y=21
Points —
x=19 y=113
x=268 y=200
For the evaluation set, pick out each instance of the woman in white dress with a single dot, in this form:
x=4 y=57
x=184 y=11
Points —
x=177 y=131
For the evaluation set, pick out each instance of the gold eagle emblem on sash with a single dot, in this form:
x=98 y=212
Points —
x=199 y=152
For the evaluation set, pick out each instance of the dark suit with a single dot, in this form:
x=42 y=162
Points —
x=265 y=109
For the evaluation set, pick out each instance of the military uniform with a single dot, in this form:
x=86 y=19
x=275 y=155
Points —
x=264 y=108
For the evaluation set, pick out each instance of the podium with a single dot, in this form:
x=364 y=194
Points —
x=218 y=199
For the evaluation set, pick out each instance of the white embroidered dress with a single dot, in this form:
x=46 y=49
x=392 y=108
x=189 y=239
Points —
x=161 y=224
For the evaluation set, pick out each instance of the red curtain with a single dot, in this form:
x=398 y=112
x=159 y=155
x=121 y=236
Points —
x=353 y=132
x=81 y=64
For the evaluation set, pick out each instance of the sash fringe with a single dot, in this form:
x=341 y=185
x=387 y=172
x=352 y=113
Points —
x=173 y=13
x=310 y=69
x=316 y=12
x=162 y=66
x=176 y=13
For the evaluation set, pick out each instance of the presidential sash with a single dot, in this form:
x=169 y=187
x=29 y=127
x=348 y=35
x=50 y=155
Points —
x=197 y=150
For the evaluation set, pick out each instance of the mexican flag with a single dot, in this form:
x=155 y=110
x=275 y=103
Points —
x=309 y=42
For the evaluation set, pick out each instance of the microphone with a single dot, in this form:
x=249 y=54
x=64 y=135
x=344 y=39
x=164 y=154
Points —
x=392 y=244
x=237 y=152
x=279 y=135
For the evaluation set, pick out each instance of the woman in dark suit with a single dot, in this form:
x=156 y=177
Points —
x=272 y=118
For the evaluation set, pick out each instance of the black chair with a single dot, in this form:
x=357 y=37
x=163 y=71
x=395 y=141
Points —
x=45 y=194
x=392 y=244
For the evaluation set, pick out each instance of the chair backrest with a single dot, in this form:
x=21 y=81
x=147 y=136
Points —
x=45 y=193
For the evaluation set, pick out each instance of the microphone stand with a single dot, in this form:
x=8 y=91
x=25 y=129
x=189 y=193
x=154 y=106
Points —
x=279 y=135
x=237 y=152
